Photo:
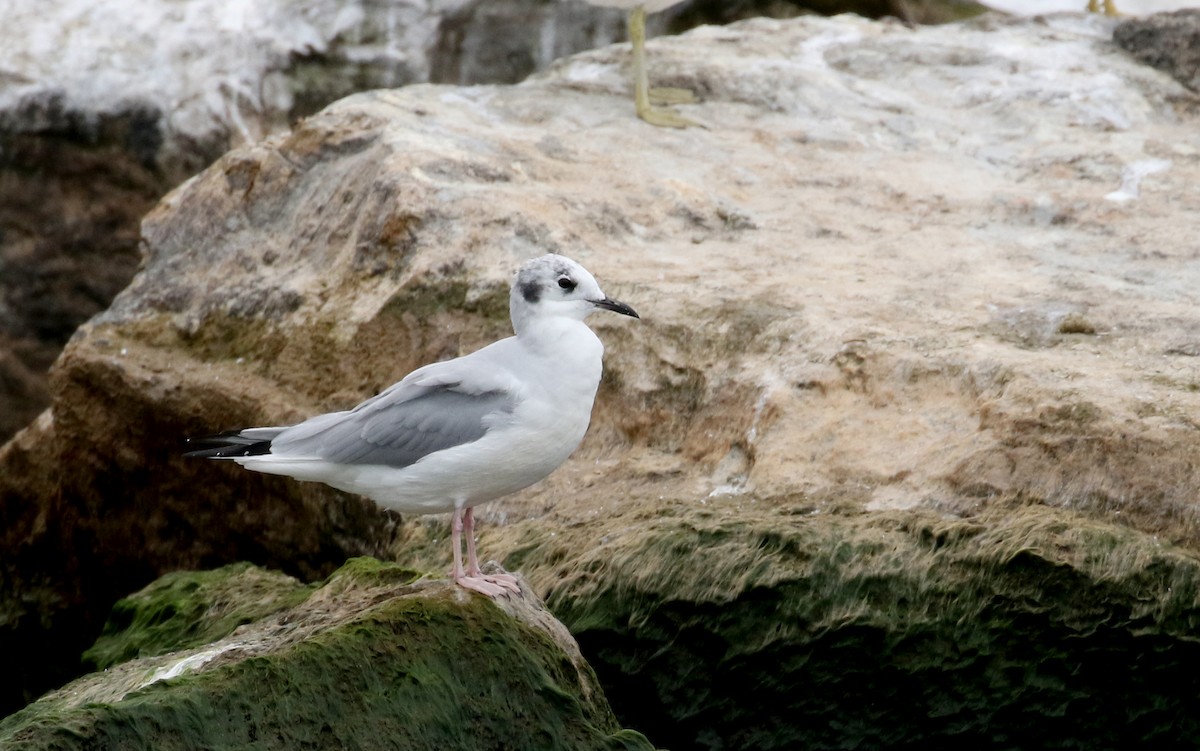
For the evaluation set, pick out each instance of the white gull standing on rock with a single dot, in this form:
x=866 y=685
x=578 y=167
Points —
x=454 y=434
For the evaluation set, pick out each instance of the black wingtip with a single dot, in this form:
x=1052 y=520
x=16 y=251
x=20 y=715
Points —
x=227 y=446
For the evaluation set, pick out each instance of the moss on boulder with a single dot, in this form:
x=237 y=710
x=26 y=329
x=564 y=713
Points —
x=370 y=659
x=186 y=609
x=798 y=628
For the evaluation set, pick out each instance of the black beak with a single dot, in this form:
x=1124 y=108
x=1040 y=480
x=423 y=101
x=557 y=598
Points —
x=617 y=307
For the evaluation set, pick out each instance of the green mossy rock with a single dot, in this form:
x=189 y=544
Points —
x=798 y=628
x=369 y=660
x=186 y=609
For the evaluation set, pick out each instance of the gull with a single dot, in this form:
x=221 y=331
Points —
x=461 y=432
x=641 y=81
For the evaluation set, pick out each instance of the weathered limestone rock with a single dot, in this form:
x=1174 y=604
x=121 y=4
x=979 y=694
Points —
x=922 y=277
x=104 y=107
x=1167 y=41
x=1124 y=7
x=370 y=659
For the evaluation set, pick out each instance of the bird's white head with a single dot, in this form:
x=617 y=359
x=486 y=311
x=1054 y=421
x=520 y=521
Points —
x=554 y=285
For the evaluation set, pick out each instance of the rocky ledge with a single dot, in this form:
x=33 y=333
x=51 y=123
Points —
x=370 y=658
x=907 y=430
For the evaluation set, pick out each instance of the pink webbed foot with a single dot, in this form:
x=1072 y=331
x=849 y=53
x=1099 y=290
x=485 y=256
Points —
x=486 y=585
x=492 y=585
x=507 y=581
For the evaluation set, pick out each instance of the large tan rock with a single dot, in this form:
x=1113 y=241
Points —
x=927 y=271
x=105 y=107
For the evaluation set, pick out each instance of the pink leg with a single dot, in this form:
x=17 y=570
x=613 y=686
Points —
x=456 y=529
x=492 y=585
x=504 y=580
x=469 y=528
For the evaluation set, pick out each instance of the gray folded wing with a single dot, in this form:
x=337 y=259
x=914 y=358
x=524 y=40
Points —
x=399 y=430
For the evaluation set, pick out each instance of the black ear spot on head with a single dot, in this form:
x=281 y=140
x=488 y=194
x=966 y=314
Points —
x=531 y=291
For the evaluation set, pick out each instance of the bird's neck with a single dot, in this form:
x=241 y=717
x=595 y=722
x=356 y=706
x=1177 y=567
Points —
x=561 y=338
x=565 y=358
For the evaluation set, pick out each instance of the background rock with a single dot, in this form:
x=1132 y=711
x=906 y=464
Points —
x=369 y=659
x=149 y=92
x=1168 y=41
x=902 y=275
x=104 y=107
x=1124 y=7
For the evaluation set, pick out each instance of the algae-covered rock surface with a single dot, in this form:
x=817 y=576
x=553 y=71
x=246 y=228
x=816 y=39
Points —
x=187 y=609
x=722 y=627
x=372 y=659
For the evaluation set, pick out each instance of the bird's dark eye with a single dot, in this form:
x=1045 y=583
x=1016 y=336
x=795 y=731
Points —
x=566 y=283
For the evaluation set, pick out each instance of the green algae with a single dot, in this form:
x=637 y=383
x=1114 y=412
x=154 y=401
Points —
x=366 y=571
x=1041 y=628
x=403 y=666
x=185 y=609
